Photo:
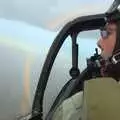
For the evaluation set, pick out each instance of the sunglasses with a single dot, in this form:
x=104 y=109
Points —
x=104 y=33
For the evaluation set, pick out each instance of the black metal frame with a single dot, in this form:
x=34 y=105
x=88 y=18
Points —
x=80 y=24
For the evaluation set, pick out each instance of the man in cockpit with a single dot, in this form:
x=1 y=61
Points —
x=101 y=97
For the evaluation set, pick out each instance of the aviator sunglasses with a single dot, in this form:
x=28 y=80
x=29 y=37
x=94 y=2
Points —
x=104 y=32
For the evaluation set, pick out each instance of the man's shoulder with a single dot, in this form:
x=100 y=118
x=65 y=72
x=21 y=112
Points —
x=101 y=99
x=70 y=108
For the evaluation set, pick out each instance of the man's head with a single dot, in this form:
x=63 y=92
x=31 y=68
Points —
x=109 y=44
x=110 y=34
x=108 y=40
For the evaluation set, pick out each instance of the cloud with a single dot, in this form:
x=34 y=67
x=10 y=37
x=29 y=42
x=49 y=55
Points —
x=23 y=37
x=43 y=13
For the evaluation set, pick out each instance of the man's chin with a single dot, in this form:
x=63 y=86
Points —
x=105 y=56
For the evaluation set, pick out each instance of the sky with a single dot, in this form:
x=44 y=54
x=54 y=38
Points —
x=50 y=14
x=27 y=30
x=23 y=49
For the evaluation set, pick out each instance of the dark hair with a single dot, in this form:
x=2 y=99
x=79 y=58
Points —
x=113 y=17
